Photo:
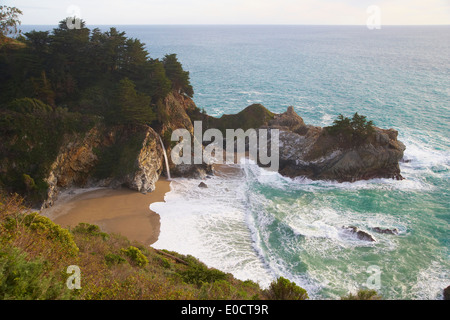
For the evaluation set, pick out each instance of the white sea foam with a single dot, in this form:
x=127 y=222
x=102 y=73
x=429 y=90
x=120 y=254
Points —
x=274 y=179
x=431 y=282
x=209 y=223
x=326 y=120
x=231 y=225
x=420 y=157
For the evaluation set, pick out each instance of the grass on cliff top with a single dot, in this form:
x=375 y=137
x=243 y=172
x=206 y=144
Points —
x=11 y=43
x=35 y=254
x=252 y=117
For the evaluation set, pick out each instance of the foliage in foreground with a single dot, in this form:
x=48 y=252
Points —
x=35 y=254
x=363 y=294
x=283 y=289
x=9 y=21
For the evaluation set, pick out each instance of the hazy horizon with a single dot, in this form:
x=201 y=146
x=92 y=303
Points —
x=236 y=12
x=237 y=24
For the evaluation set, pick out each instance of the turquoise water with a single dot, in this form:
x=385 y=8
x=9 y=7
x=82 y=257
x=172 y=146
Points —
x=397 y=76
x=259 y=225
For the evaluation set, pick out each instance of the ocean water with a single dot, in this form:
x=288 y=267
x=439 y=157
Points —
x=259 y=225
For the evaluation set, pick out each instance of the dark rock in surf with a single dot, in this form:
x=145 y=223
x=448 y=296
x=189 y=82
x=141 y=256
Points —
x=447 y=293
x=202 y=185
x=393 y=231
x=361 y=235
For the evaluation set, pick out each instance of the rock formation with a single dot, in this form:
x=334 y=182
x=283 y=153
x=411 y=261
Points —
x=129 y=156
x=178 y=106
x=77 y=161
x=132 y=155
x=360 y=234
x=393 y=231
x=314 y=153
x=149 y=164
x=446 y=293
x=288 y=121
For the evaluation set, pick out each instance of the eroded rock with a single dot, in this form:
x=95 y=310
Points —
x=360 y=234
x=393 y=231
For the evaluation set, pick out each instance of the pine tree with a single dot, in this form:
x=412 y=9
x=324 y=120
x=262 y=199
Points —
x=176 y=74
x=357 y=129
x=132 y=106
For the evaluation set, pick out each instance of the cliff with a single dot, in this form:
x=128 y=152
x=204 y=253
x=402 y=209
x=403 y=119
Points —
x=107 y=157
x=45 y=150
x=179 y=109
x=130 y=156
x=83 y=151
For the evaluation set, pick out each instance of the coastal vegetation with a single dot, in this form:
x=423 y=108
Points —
x=354 y=130
x=9 y=22
x=254 y=116
x=67 y=81
x=363 y=294
x=283 y=289
x=78 y=104
x=35 y=254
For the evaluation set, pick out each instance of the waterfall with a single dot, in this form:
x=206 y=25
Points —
x=165 y=158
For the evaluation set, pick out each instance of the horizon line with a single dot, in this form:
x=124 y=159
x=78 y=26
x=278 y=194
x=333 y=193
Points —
x=243 y=24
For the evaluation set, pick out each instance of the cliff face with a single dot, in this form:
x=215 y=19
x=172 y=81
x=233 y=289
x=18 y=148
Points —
x=178 y=108
x=130 y=156
x=80 y=160
x=149 y=164
x=73 y=164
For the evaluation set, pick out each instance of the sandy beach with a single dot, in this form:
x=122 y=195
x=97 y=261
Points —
x=123 y=211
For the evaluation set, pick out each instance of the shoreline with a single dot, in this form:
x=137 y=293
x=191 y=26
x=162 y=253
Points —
x=122 y=211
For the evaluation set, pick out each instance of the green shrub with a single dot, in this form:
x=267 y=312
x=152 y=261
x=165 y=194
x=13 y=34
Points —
x=283 y=289
x=21 y=279
x=136 y=256
x=53 y=231
x=199 y=274
x=90 y=229
x=218 y=290
x=29 y=182
x=163 y=262
x=28 y=105
x=114 y=259
x=363 y=294
x=356 y=129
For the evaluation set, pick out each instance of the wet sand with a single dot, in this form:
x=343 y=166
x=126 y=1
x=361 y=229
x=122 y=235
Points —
x=123 y=211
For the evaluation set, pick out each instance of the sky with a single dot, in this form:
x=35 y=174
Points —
x=305 y=12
